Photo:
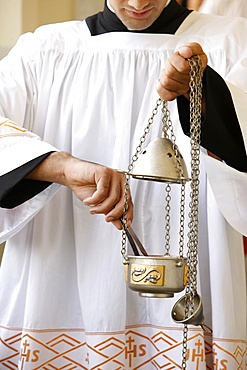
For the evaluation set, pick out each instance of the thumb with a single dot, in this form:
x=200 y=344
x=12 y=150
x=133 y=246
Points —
x=191 y=49
x=185 y=52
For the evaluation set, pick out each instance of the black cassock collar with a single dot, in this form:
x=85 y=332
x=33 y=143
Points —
x=168 y=22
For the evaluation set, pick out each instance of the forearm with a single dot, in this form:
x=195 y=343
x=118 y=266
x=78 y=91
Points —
x=52 y=168
x=64 y=169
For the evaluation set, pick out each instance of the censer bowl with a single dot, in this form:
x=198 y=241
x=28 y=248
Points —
x=156 y=276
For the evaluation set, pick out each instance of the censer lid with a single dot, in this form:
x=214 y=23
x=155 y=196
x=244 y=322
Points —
x=160 y=161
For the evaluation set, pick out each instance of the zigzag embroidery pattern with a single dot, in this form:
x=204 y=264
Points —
x=134 y=349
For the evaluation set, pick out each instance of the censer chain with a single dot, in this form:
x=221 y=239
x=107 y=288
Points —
x=167 y=126
x=195 y=133
x=127 y=177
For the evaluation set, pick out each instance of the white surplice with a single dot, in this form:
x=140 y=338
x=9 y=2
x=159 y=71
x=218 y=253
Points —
x=63 y=298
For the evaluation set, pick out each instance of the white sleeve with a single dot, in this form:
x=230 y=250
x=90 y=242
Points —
x=239 y=98
x=229 y=185
x=230 y=188
x=18 y=146
x=13 y=220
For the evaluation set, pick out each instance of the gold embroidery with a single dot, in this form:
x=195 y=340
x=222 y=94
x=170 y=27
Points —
x=13 y=126
x=139 y=347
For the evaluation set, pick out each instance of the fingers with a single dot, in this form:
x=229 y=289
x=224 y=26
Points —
x=175 y=77
x=115 y=217
x=109 y=191
x=102 y=194
x=109 y=197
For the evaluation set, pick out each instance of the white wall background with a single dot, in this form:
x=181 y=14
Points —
x=83 y=8
x=20 y=16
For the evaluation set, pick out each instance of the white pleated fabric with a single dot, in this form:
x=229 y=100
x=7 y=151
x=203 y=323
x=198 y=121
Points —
x=63 y=298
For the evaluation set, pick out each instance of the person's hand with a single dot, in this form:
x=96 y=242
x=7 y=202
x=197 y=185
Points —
x=174 y=78
x=100 y=188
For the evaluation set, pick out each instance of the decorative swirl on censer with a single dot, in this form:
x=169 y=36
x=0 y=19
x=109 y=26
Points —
x=149 y=276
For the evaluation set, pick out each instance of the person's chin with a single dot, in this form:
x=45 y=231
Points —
x=137 y=25
x=136 y=21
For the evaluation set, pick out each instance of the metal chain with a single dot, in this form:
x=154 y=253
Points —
x=124 y=218
x=195 y=133
x=184 y=350
x=127 y=177
x=167 y=126
x=167 y=218
x=182 y=221
x=143 y=138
